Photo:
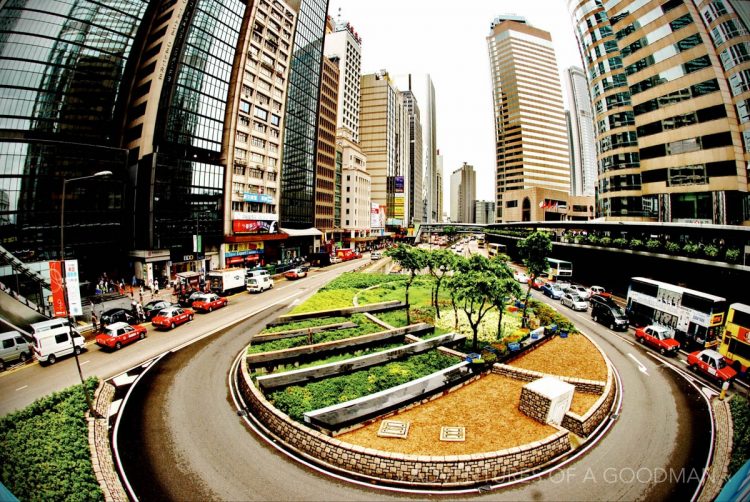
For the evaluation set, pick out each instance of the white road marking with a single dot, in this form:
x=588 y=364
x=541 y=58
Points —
x=85 y=362
x=21 y=388
x=641 y=367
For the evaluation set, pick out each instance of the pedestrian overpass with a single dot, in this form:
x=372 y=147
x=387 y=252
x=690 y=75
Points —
x=444 y=228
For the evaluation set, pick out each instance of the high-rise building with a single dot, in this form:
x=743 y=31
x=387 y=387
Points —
x=325 y=175
x=176 y=136
x=65 y=77
x=484 y=211
x=384 y=137
x=530 y=128
x=413 y=184
x=670 y=87
x=297 y=211
x=581 y=133
x=254 y=135
x=424 y=91
x=345 y=44
x=463 y=194
x=439 y=187
x=356 y=206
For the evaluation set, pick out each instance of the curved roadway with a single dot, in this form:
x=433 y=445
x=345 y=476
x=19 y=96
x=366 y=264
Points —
x=181 y=438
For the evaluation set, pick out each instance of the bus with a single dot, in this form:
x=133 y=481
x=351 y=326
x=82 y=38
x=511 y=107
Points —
x=480 y=241
x=694 y=317
x=735 y=344
x=495 y=249
x=559 y=269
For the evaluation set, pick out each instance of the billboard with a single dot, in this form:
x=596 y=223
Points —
x=73 y=287
x=374 y=216
x=399 y=184
x=398 y=206
x=253 y=226
x=257 y=197
x=56 y=284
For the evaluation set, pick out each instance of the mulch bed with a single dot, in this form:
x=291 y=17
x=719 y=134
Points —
x=574 y=356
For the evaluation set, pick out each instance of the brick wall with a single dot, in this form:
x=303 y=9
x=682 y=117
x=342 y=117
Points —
x=581 y=385
x=399 y=468
x=585 y=425
x=534 y=405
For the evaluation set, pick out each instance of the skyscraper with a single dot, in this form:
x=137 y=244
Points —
x=530 y=128
x=670 y=84
x=300 y=126
x=439 y=187
x=463 y=194
x=345 y=44
x=582 y=135
x=325 y=175
x=415 y=175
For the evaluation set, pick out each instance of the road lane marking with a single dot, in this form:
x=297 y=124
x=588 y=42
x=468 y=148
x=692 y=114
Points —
x=21 y=388
x=641 y=367
x=85 y=362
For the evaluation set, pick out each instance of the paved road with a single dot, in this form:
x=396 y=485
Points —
x=184 y=441
x=19 y=387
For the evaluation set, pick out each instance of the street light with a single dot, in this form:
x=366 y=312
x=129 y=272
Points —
x=93 y=412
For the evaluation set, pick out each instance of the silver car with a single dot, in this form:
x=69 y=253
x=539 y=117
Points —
x=574 y=301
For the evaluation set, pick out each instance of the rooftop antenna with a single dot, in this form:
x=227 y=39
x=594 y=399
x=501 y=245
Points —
x=338 y=20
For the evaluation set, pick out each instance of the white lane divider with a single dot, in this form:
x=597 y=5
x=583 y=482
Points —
x=641 y=367
x=21 y=388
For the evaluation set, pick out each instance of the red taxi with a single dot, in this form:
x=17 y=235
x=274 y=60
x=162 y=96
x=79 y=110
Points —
x=208 y=302
x=712 y=364
x=170 y=317
x=659 y=338
x=118 y=334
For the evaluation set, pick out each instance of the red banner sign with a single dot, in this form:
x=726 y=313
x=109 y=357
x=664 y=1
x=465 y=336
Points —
x=58 y=295
x=252 y=226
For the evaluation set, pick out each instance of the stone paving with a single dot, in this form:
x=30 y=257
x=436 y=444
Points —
x=99 y=444
x=718 y=470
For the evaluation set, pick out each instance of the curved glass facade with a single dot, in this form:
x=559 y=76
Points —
x=297 y=207
x=62 y=69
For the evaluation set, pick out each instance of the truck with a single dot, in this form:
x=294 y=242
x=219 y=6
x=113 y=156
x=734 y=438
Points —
x=225 y=281
x=347 y=254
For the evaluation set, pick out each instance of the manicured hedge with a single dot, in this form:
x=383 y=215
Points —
x=360 y=280
x=307 y=323
x=741 y=441
x=296 y=400
x=44 y=449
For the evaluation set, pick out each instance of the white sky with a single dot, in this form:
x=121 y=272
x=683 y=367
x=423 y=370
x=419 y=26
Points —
x=448 y=41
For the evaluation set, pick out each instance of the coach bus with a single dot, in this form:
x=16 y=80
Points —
x=735 y=344
x=693 y=316
x=496 y=249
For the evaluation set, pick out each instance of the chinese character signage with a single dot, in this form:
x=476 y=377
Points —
x=73 y=287
x=253 y=226
x=258 y=197
x=58 y=295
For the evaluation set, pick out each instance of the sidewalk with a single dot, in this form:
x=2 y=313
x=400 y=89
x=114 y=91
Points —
x=95 y=302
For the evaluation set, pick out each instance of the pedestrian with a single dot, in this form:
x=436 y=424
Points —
x=140 y=296
x=156 y=287
x=94 y=321
x=141 y=313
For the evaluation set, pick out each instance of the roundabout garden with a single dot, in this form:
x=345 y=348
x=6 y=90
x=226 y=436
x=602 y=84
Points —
x=421 y=379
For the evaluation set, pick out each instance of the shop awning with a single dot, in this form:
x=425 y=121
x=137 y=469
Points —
x=302 y=232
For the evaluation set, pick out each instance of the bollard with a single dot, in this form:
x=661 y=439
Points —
x=724 y=388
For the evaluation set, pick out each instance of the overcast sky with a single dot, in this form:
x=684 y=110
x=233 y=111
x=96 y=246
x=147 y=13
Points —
x=448 y=41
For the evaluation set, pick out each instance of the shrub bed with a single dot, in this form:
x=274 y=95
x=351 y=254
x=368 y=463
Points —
x=365 y=328
x=296 y=400
x=360 y=280
x=741 y=440
x=45 y=452
x=307 y=323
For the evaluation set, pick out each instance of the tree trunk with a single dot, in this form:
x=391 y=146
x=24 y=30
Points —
x=455 y=313
x=408 y=316
x=437 y=298
x=526 y=303
x=499 y=322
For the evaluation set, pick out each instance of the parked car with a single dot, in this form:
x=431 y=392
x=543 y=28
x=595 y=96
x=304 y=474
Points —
x=208 y=302
x=552 y=290
x=335 y=259
x=659 y=338
x=112 y=316
x=605 y=311
x=375 y=255
x=574 y=301
x=13 y=347
x=187 y=299
x=118 y=334
x=595 y=290
x=295 y=273
x=521 y=277
x=712 y=364
x=172 y=316
x=578 y=290
x=259 y=283
x=537 y=283
x=153 y=307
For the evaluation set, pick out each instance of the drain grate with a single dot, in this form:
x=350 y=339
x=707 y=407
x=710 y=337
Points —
x=394 y=429
x=452 y=433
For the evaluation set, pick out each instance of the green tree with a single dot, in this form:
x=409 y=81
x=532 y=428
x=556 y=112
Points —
x=451 y=232
x=503 y=287
x=534 y=250
x=440 y=263
x=470 y=289
x=411 y=259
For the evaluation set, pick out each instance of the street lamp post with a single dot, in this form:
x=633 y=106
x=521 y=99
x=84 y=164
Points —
x=93 y=412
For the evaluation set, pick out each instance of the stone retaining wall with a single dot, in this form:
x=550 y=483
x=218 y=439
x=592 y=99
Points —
x=395 y=467
x=581 y=385
x=101 y=453
x=534 y=405
x=585 y=425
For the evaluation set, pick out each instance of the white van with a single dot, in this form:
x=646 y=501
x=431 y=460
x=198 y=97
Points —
x=52 y=340
x=13 y=347
x=259 y=283
x=256 y=272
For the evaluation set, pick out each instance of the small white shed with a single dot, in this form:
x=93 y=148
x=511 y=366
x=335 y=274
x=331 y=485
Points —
x=546 y=400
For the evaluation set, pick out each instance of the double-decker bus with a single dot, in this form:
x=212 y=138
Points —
x=559 y=269
x=735 y=344
x=480 y=241
x=695 y=317
x=495 y=249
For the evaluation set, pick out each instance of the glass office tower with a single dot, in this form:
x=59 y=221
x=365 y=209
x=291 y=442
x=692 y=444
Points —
x=63 y=73
x=297 y=209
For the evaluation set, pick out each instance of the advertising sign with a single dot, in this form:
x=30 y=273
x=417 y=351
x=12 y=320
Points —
x=398 y=206
x=73 y=287
x=258 y=197
x=253 y=226
x=244 y=249
x=58 y=296
x=375 y=216
x=399 y=184
x=381 y=221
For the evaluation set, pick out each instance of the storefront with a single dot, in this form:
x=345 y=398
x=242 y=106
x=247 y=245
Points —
x=150 y=264
x=244 y=254
x=183 y=261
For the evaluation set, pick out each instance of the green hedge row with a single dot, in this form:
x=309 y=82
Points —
x=296 y=400
x=548 y=316
x=307 y=323
x=359 y=280
x=741 y=441
x=44 y=449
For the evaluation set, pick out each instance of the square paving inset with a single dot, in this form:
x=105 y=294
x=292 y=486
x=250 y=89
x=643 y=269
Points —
x=452 y=433
x=394 y=429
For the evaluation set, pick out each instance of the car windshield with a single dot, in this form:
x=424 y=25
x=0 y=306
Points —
x=721 y=363
x=165 y=313
x=575 y=298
